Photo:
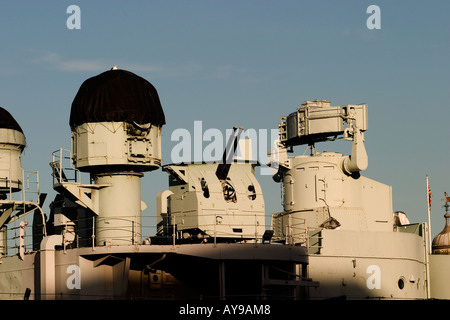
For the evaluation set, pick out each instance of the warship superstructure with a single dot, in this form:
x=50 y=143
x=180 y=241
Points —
x=337 y=236
x=91 y=246
x=357 y=246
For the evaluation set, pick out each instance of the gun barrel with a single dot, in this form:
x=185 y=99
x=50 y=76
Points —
x=227 y=158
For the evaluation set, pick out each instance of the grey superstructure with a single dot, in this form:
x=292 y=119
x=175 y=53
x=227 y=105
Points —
x=337 y=236
x=357 y=249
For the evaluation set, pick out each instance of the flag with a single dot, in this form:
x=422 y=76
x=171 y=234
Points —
x=429 y=196
x=429 y=216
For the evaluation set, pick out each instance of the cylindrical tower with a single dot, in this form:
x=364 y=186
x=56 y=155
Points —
x=116 y=120
x=12 y=143
x=316 y=181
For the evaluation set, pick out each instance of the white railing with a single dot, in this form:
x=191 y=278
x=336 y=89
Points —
x=62 y=167
x=14 y=208
x=30 y=186
x=127 y=230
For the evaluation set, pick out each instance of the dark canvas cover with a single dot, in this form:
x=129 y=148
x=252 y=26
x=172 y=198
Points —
x=7 y=121
x=117 y=95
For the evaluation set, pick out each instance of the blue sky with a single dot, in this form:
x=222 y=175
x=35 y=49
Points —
x=244 y=63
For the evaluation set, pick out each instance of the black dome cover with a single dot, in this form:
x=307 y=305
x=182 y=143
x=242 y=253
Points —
x=116 y=95
x=7 y=121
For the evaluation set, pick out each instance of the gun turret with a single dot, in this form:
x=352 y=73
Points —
x=205 y=200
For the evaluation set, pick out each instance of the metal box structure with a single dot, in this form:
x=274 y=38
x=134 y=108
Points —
x=197 y=206
x=220 y=200
x=317 y=120
x=100 y=144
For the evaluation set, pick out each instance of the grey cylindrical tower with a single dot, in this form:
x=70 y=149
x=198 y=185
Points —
x=116 y=120
x=12 y=143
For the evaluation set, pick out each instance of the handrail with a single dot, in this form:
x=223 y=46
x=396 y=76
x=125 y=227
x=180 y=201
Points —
x=30 y=185
x=19 y=204
x=85 y=230
x=61 y=167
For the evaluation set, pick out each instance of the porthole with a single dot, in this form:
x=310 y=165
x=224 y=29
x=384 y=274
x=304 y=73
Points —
x=252 y=192
x=401 y=283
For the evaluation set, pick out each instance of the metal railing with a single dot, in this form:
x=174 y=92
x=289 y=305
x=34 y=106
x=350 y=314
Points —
x=128 y=230
x=16 y=205
x=30 y=186
x=291 y=229
x=62 y=167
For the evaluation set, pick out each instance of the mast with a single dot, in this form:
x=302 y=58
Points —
x=429 y=215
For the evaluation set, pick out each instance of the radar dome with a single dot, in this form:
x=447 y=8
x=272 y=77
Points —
x=116 y=96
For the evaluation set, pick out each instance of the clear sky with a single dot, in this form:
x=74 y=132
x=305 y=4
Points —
x=244 y=63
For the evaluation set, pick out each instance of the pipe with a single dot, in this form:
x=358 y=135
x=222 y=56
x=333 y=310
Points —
x=47 y=257
x=162 y=202
x=47 y=266
x=22 y=226
x=358 y=160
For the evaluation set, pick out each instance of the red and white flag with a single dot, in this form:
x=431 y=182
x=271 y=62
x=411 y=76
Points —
x=429 y=195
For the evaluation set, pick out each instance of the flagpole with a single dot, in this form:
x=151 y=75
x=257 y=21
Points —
x=429 y=216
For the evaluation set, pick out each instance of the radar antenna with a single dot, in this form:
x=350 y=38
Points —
x=318 y=121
